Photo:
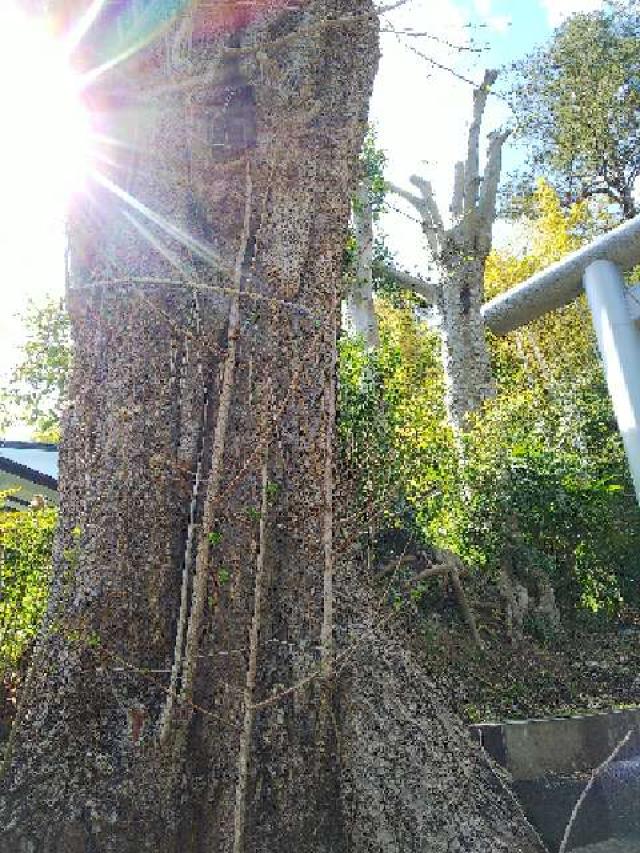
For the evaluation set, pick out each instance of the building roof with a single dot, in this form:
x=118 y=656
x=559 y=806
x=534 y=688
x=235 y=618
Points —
x=30 y=468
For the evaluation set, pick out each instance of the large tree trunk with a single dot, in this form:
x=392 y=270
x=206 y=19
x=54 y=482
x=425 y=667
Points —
x=210 y=677
x=194 y=564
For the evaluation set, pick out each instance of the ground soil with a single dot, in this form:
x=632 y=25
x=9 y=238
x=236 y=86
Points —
x=591 y=664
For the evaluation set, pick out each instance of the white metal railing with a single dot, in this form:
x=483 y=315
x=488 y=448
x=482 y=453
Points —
x=615 y=309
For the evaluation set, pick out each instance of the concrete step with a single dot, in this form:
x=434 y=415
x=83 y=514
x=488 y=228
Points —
x=551 y=761
x=612 y=845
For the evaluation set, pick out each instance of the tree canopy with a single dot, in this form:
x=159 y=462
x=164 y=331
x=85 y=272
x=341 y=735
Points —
x=36 y=389
x=577 y=104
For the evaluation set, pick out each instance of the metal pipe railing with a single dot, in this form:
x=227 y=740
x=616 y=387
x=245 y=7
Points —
x=619 y=344
x=561 y=283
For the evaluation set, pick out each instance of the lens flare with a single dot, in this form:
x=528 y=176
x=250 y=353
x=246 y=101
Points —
x=108 y=32
x=44 y=145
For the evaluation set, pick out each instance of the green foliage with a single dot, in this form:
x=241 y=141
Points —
x=26 y=541
x=224 y=576
x=392 y=426
x=37 y=388
x=576 y=515
x=372 y=162
x=273 y=490
x=577 y=102
x=545 y=452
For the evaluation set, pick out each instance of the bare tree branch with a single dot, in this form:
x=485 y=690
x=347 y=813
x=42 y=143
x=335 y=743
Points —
x=433 y=226
x=462 y=48
x=489 y=189
x=426 y=191
x=425 y=289
x=457 y=202
x=426 y=207
x=439 y=65
x=413 y=200
x=472 y=169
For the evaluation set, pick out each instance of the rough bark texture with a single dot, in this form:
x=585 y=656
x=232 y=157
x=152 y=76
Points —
x=209 y=677
x=465 y=355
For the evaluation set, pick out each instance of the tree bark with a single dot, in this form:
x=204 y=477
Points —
x=358 y=310
x=465 y=354
x=213 y=674
x=203 y=295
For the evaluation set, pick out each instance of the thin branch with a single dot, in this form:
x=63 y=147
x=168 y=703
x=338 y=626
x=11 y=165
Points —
x=166 y=717
x=402 y=212
x=217 y=459
x=393 y=567
x=457 y=202
x=413 y=200
x=588 y=786
x=426 y=206
x=425 y=289
x=252 y=669
x=433 y=225
x=431 y=572
x=328 y=516
x=463 y=602
x=446 y=68
x=413 y=34
x=426 y=191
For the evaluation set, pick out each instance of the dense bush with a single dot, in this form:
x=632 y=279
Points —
x=26 y=541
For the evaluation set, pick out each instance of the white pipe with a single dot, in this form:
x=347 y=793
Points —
x=561 y=283
x=619 y=342
x=633 y=298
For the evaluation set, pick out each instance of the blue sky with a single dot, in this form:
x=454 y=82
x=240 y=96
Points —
x=422 y=113
x=528 y=25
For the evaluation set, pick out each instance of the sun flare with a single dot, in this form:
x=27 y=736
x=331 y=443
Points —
x=45 y=139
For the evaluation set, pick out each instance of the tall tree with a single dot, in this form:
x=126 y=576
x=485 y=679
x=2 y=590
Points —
x=369 y=263
x=459 y=253
x=358 y=312
x=577 y=101
x=194 y=564
x=214 y=673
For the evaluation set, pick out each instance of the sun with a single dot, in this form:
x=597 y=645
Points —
x=45 y=138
